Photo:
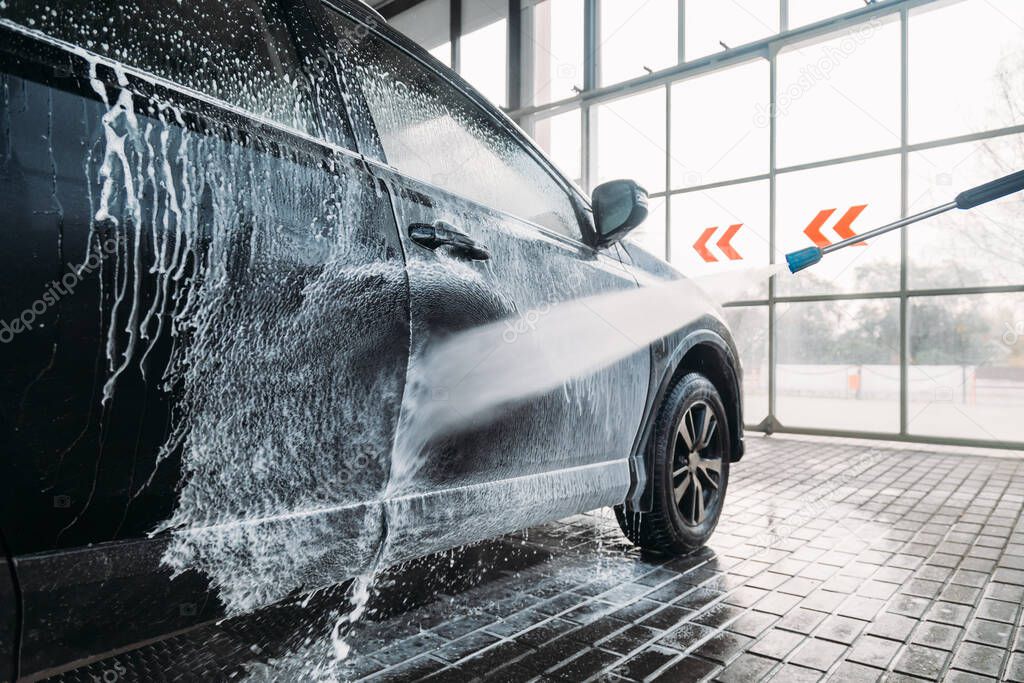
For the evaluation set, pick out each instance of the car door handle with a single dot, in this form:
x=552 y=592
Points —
x=443 y=234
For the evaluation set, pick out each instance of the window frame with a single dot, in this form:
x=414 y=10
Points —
x=504 y=125
x=860 y=17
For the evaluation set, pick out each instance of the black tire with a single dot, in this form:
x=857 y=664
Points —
x=679 y=528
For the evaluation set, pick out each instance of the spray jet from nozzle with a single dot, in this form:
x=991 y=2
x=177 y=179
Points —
x=983 y=194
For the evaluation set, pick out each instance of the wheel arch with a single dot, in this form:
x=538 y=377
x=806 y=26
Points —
x=709 y=350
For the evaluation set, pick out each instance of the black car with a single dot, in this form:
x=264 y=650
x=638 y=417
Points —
x=234 y=231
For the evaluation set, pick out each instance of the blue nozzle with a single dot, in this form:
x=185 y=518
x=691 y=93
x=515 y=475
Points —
x=804 y=258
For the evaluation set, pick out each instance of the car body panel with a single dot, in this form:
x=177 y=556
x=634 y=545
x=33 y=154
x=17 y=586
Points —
x=704 y=345
x=547 y=456
x=541 y=457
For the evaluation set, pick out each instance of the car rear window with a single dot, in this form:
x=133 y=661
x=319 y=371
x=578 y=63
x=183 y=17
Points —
x=238 y=51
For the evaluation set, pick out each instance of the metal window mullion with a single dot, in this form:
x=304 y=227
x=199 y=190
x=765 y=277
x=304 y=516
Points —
x=891 y=294
x=745 y=304
x=713 y=186
x=861 y=156
x=591 y=44
x=515 y=58
x=668 y=173
x=900 y=438
x=821 y=298
x=904 y=212
x=455 y=33
x=966 y=291
x=681 y=28
x=586 y=155
x=590 y=77
x=773 y=55
x=783 y=16
x=970 y=137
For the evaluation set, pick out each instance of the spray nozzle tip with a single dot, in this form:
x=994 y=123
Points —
x=805 y=258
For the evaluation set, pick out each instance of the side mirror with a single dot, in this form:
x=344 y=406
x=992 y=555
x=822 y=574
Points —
x=619 y=206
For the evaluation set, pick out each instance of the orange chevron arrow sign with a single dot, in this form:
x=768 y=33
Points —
x=843 y=228
x=725 y=244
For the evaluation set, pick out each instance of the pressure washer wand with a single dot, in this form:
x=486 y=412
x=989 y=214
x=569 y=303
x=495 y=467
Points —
x=798 y=260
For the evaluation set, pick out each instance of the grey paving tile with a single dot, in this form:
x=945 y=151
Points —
x=840 y=629
x=688 y=670
x=874 y=651
x=921 y=661
x=723 y=647
x=818 y=654
x=777 y=603
x=940 y=636
x=994 y=633
x=850 y=672
x=801 y=620
x=466 y=645
x=948 y=613
x=859 y=607
x=629 y=639
x=746 y=596
x=998 y=610
x=776 y=643
x=718 y=615
x=894 y=626
x=666 y=618
x=791 y=673
x=583 y=666
x=686 y=636
x=752 y=624
x=979 y=659
x=746 y=669
x=645 y=663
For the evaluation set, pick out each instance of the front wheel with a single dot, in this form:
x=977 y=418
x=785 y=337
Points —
x=690 y=472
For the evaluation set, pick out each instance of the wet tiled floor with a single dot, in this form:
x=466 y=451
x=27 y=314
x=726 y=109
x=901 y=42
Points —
x=832 y=561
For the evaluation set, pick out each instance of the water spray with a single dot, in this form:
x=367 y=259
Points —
x=983 y=194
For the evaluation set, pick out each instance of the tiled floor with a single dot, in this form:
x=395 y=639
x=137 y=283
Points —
x=833 y=561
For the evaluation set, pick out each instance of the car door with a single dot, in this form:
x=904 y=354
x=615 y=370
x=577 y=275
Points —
x=198 y=419
x=491 y=236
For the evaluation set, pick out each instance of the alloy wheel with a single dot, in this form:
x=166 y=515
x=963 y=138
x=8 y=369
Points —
x=697 y=465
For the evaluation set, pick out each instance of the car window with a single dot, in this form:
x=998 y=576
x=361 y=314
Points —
x=431 y=131
x=237 y=51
